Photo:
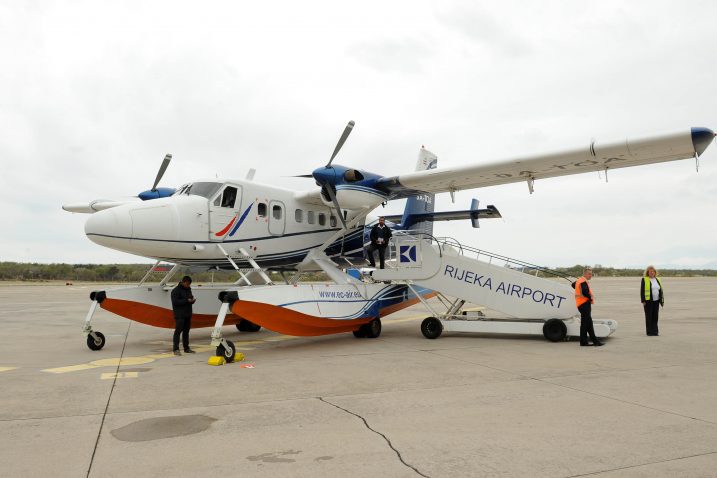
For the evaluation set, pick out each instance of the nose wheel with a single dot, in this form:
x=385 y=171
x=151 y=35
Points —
x=95 y=340
x=227 y=350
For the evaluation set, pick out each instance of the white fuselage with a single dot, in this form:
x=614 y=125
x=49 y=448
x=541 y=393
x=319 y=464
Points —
x=192 y=226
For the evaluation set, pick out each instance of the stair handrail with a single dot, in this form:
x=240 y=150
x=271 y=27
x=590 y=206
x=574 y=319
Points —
x=451 y=241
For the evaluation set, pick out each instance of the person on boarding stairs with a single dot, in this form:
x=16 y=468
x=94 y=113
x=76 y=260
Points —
x=380 y=235
x=584 y=299
x=182 y=300
x=652 y=296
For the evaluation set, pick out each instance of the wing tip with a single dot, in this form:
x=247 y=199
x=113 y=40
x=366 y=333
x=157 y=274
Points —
x=701 y=138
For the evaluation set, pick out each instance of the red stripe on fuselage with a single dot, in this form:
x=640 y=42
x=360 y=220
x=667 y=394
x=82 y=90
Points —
x=224 y=231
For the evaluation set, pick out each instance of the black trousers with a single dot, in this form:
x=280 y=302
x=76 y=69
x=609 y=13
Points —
x=381 y=255
x=182 y=324
x=586 y=324
x=652 y=312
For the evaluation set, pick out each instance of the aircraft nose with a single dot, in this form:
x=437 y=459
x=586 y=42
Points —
x=108 y=226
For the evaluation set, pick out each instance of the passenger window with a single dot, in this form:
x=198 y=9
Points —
x=332 y=221
x=276 y=212
x=261 y=209
x=299 y=215
x=229 y=197
x=218 y=200
x=322 y=219
x=310 y=217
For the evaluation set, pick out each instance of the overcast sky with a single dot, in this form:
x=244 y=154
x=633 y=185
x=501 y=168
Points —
x=94 y=94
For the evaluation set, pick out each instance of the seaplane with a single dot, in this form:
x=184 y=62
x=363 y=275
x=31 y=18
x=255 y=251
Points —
x=255 y=229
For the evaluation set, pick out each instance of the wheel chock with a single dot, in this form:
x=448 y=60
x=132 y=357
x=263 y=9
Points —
x=238 y=357
x=216 y=360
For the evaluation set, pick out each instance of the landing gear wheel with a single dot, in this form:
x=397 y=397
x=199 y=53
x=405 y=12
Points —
x=431 y=328
x=360 y=333
x=228 y=354
x=373 y=328
x=96 y=344
x=555 y=330
x=246 y=326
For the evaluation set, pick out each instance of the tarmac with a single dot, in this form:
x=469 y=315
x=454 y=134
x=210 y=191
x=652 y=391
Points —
x=397 y=406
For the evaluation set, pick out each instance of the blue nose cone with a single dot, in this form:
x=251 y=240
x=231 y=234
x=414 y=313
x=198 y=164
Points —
x=324 y=175
x=156 y=194
x=701 y=138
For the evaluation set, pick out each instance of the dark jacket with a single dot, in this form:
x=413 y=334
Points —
x=652 y=294
x=180 y=301
x=382 y=232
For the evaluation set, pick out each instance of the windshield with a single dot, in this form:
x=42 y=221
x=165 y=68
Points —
x=206 y=190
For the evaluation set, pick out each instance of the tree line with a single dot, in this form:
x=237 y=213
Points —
x=22 y=271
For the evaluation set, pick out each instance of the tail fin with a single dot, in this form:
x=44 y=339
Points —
x=421 y=203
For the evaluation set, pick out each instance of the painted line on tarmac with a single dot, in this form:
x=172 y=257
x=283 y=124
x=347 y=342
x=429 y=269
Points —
x=7 y=369
x=145 y=359
x=114 y=362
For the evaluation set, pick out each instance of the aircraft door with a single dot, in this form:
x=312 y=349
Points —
x=277 y=218
x=224 y=210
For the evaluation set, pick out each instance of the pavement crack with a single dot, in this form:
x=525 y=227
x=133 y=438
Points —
x=109 y=398
x=642 y=464
x=398 y=453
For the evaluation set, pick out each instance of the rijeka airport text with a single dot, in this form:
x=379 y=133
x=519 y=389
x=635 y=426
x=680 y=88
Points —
x=505 y=288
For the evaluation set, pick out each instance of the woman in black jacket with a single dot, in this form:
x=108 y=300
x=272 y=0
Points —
x=652 y=296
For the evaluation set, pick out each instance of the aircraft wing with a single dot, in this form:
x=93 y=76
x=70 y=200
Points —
x=596 y=156
x=94 y=206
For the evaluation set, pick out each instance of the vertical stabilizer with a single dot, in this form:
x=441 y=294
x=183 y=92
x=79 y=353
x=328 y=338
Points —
x=421 y=203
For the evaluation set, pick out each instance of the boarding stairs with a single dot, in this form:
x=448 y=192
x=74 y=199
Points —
x=537 y=300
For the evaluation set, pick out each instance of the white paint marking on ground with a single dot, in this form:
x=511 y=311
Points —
x=111 y=376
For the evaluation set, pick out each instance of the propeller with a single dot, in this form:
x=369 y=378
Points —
x=161 y=171
x=156 y=192
x=339 y=145
x=329 y=188
x=342 y=140
x=332 y=195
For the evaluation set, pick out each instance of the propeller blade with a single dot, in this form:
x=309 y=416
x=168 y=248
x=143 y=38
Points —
x=332 y=195
x=161 y=171
x=342 y=140
x=301 y=176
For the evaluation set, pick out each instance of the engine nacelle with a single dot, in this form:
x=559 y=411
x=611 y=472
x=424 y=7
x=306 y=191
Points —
x=357 y=197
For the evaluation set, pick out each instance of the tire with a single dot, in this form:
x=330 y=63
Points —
x=555 y=330
x=431 y=328
x=360 y=333
x=228 y=354
x=373 y=328
x=246 y=326
x=96 y=345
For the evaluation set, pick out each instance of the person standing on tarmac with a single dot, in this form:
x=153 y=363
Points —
x=380 y=234
x=584 y=299
x=652 y=296
x=182 y=300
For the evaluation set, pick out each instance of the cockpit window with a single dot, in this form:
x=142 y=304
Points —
x=229 y=197
x=206 y=190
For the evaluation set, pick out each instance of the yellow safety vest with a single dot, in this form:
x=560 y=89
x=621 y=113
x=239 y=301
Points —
x=648 y=286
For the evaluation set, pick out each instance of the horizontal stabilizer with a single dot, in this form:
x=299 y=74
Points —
x=474 y=214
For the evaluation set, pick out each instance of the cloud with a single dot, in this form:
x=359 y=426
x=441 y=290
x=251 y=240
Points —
x=494 y=32
x=405 y=55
